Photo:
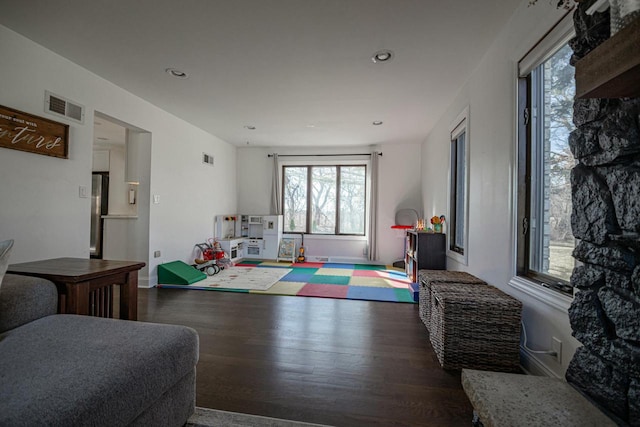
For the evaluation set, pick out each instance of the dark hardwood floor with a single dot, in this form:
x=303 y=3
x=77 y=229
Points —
x=327 y=361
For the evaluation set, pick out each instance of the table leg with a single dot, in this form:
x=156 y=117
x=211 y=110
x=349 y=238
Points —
x=129 y=297
x=77 y=301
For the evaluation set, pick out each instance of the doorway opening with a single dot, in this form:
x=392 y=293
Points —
x=122 y=158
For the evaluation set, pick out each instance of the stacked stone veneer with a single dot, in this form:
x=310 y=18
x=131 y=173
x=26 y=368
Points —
x=605 y=314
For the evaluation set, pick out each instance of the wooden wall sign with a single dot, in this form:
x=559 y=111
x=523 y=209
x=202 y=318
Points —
x=26 y=132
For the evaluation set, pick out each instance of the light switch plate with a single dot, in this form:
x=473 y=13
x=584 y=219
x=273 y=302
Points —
x=83 y=193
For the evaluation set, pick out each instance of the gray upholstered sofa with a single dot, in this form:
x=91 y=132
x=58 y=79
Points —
x=68 y=370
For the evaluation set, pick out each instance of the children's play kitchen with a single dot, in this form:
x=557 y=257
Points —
x=249 y=236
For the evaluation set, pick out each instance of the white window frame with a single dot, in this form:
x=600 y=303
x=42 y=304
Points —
x=458 y=126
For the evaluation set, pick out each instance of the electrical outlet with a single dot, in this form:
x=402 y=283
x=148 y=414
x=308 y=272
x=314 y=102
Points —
x=556 y=345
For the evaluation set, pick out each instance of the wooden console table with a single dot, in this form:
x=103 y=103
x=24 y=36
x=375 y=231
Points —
x=85 y=286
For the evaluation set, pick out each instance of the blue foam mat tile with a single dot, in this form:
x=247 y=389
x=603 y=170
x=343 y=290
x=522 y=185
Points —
x=394 y=274
x=374 y=294
x=297 y=277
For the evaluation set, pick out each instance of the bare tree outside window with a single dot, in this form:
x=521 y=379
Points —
x=547 y=242
x=323 y=200
x=295 y=199
x=352 y=199
x=559 y=87
x=332 y=198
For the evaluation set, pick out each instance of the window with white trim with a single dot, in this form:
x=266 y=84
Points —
x=546 y=90
x=458 y=182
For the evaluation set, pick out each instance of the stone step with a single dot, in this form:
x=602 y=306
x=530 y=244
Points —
x=505 y=400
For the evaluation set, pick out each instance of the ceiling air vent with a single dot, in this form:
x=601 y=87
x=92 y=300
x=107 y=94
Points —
x=207 y=158
x=57 y=104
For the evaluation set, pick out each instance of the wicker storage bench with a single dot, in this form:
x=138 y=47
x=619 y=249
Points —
x=426 y=280
x=475 y=326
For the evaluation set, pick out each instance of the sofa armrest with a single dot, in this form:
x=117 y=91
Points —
x=25 y=298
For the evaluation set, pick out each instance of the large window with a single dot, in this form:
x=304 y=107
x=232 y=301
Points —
x=324 y=199
x=545 y=240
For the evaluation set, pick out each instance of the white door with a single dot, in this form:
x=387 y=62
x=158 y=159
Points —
x=271 y=244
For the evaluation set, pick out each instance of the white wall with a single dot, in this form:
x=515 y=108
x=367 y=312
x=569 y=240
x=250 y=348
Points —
x=40 y=207
x=491 y=97
x=399 y=183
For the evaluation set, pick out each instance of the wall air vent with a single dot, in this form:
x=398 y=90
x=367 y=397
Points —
x=207 y=158
x=59 y=105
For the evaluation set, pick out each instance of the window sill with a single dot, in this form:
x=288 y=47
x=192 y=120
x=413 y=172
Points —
x=539 y=292
x=455 y=256
x=324 y=237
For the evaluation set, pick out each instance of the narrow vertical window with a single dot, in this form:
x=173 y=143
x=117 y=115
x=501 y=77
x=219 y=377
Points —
x=458 y=184
x=295 y=199
x=323 y=199
x=546 y=92
x=352 y=199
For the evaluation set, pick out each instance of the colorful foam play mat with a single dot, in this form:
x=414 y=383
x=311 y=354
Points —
x=310 y=279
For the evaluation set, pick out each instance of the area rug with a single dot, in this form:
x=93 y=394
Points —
x=204 y=417
x=326 y=280
x=238 y=278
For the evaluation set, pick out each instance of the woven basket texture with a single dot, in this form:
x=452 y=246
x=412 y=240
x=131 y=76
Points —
x=427 y=278
x=475 y=327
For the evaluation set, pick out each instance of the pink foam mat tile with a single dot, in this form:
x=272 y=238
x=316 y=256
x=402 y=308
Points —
x=324 y=291
x=369 y=273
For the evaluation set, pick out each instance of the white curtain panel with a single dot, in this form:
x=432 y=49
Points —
x=373 y=209
x=276 y=203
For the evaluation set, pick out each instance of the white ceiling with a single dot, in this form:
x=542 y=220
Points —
x=108 y=134
x=300 y=71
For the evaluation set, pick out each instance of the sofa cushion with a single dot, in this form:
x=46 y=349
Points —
x=5 y=250
x=25 y=298
x=80 y=370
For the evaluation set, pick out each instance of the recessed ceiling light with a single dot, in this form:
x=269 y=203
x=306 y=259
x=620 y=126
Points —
x=250 y=127
x=384 y=55
x=377 y=123
x=174 y=72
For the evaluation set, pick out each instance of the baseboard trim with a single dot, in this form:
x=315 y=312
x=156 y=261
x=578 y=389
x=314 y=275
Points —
x=534 y=366
x=144 y=282
x=340 y=259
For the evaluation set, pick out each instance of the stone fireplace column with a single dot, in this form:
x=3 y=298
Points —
x=605 y=314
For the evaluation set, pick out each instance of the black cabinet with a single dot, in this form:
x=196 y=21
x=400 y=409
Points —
x=424 y=251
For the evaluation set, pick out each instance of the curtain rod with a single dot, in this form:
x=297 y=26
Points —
x=321 y=155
